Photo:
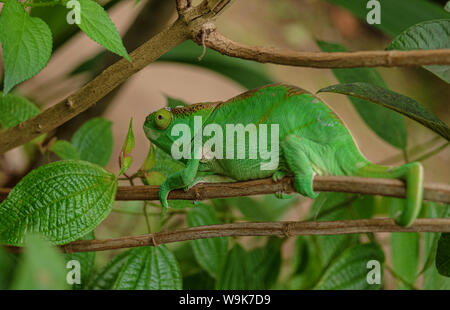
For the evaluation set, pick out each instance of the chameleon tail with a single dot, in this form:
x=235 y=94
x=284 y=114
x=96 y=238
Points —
x=412 y=174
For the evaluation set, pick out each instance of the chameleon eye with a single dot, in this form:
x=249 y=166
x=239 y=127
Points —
x=163 y=119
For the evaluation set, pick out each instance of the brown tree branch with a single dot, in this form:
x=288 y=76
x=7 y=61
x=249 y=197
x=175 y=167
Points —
x=281 y=229
x=213 y=39
x=183 y=5
x=96 y=89
x=151 y=19
x=202 y=191
x=105 y=82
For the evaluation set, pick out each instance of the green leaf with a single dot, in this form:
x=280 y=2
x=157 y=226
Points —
x=210 y=253
x=394 y=101
x=26 y=43
x=431 y=277
x=264 y=264
x=150 y=159
x=234 y=274
x=404 y=247
x=125 y=163
x=334 y=207
x=15 y=109
x=447 y=7
x=56 y=18
x=307 y=266
x=257 y=269
x=94 y=141
x=198 y=281
x=96 y=23
x=405 y=257
x=268 y=208
x=434 y=34
x=443 y=255
x=246 y=73
x=105 y=279
x=41 y=267
x=86 y=260
x=128 y=145
x=412 y=12
x=349 y=270
x=65 y=150
x=153 y=268
x=387 y=124
x=7 y=265
x=63 y=200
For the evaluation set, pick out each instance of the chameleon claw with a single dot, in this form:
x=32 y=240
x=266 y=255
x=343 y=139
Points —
x=162 y=195
x=278 y=175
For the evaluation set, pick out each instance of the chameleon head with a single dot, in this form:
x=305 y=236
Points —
x=156 y=126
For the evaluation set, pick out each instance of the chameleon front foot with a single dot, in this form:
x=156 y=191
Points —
x=278 y=175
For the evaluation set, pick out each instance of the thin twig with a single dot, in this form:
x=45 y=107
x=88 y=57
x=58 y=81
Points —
x=437 y=192
x=357 y=185
x=416 y=58
x=84 y=98
x=413 y=152
x=281 y=229
x=434 y=152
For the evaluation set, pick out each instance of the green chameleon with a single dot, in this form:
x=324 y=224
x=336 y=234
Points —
x=312 y=141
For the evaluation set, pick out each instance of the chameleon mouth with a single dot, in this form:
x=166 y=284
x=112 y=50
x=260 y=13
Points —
x=151 y=134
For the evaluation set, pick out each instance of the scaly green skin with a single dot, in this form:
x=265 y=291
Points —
x=313 y=141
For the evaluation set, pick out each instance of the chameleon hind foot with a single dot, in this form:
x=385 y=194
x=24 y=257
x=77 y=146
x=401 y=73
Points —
x=304 y=185
x=293 y=150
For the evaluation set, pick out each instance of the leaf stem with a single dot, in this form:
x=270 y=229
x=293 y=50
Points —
x=432 y=153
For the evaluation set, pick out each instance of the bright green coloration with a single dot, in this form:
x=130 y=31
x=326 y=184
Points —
x=210 y=253
x=26 y=43
x=387 y=124
x=313 y=141
x=65 y=150
x=394 y=101
x=63 y=201
x=149 y=268
x=349 y=270
x=443 y=255
x=98 y=26
x=15 y=109
x=41 y=267
x=127 y=147
x=87 y=261
x=94 y=141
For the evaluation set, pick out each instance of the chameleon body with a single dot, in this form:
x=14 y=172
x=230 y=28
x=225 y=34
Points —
x=312 y=141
